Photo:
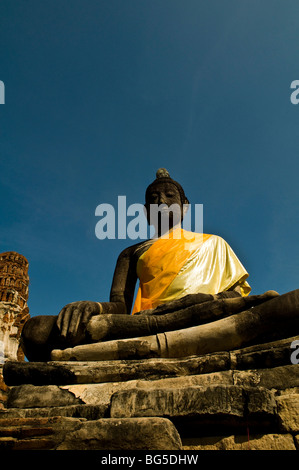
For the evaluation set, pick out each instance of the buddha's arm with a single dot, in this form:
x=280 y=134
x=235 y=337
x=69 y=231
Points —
x=123 y=284
x=189 y=300
x=74 y=317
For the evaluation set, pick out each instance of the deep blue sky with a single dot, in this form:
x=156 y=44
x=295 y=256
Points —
x=101 y=93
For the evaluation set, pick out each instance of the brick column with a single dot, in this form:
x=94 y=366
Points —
x=14 y=312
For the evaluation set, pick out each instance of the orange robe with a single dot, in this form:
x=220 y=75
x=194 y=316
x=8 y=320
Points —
x=186 y=263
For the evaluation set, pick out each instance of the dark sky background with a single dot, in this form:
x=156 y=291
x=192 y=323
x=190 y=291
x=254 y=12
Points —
x=99 y=94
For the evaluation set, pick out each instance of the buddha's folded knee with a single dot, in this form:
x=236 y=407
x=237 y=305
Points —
x=38 y=329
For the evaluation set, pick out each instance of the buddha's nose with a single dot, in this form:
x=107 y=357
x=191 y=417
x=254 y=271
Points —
x=162 y=199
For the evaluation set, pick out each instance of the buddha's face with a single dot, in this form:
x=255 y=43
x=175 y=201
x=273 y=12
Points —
x=168 y=195
x=164 y=193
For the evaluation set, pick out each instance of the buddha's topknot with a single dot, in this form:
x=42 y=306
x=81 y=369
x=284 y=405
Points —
x=162 y=173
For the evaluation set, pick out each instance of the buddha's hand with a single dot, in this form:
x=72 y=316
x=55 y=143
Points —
x=73 y=319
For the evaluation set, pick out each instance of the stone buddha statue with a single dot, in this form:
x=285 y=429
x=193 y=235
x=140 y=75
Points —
x=193 y=298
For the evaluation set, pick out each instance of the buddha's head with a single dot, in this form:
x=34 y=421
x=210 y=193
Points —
x=168 y=196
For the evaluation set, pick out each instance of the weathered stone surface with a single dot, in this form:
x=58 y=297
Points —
x=100 y=394
x=35 y=433
x=261 y=356
x=76 y=434
x=63 y=373
x=13 y=277
x=296 y=440
x=278 y=378
x=14 y=311
x=90 y=412
x=178 y=402
x=3 y=388
x=12 y=319
x=97 y=394
x=242 y=442
x=260 y=407
x=40 y=373
x=196 y=404
x=30 y=396
x=230 y=405
x=115 y=434
x=265 y=355
x=275 y=378
x=288 y=412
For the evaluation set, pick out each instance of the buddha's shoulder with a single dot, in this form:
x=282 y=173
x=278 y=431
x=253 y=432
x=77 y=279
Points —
x=136 y=250
x=217 y=240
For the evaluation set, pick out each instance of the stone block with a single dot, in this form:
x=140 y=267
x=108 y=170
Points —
x=35 y=433
x=124 y=434
x=241 y=442
x=265 y=355
x=67 y=373
x=78 y=434
x=225 y=404
x=296 y=440
x=288 y=412
x=95 y=394
x=89 y=412
x=3 y=387
x=30 y=396
x=260 y=402
x=278 y=378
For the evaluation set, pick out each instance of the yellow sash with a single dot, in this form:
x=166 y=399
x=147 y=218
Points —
x=161 y=263
x=187 y=263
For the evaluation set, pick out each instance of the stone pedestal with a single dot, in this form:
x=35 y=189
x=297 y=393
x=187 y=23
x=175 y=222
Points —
x=238 y=400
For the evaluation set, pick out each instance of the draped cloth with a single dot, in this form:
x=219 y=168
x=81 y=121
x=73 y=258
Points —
x=187 y=263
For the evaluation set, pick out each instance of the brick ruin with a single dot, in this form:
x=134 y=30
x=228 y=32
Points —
x=14 y=311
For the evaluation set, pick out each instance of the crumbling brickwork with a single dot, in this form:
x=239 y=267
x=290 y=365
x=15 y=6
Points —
x=14 y=312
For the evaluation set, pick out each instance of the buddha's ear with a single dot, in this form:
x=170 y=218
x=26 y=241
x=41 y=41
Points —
x=145 y=210
x=185 y=206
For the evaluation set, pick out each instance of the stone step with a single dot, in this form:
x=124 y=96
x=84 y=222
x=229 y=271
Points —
x=241 y=442
x=260 y=356
x=100 y=394
x=223 y=405
x=61 y=433
x=90 y=412
x=196 y=409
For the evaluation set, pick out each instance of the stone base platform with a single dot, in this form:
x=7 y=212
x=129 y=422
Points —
x=238 y=400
